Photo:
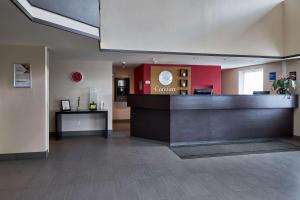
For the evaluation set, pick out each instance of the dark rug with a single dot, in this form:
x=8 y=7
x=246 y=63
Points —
x=217 y=150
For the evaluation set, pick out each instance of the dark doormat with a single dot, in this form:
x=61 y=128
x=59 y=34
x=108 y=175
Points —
x=217 y=150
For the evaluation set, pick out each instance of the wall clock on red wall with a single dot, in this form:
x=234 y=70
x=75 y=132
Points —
x=76 y=77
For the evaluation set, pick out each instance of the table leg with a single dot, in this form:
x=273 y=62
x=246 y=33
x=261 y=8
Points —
x=106 y=124
x=58 y=121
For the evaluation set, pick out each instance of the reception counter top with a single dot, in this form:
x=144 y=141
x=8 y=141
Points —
x=198 y=119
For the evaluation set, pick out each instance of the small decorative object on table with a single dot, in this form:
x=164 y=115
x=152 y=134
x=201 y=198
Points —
x=101 y=105
x=65 y=105
x=93 y=99
x=93 y=106
x=285 y=85
x=78 y=104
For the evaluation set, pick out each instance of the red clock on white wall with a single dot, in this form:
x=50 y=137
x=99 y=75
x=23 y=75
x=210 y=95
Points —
x=76 y=77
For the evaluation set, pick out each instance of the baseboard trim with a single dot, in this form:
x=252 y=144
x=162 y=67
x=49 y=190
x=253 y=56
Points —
x=296 y=137
x=24 y=156
x=178 y=144
x=81 y=133
x=121 y=120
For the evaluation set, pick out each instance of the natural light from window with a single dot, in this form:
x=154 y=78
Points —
x=250 y=81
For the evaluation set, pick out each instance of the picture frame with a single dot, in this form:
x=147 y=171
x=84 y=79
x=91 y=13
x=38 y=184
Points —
x=22 y=75
x=65 y=105
x=272 y=76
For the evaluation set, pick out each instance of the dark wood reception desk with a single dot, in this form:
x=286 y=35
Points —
x=198 y=119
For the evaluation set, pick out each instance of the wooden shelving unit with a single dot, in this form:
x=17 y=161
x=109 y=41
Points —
x=184 y=77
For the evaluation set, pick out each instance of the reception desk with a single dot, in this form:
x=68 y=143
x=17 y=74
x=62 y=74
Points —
x=199 y=119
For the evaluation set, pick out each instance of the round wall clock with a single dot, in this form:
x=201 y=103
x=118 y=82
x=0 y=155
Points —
x=76 y=77
x=165 y=78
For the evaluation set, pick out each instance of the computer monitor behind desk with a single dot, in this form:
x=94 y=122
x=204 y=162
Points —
x=261 y=92
x=206 y=91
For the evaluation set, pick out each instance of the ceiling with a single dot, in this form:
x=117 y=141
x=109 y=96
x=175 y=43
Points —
x=134 y=59
x=238 y=27
x=19 y=30
x=86 y=11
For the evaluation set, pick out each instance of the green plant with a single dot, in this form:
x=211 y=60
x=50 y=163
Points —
x=285 y=85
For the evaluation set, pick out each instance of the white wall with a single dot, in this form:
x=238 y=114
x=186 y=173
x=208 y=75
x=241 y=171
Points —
x=292 y=26
x=96 y=74
x=23 y=111
x=294 y=65
x=252 y=27
x=230 y=77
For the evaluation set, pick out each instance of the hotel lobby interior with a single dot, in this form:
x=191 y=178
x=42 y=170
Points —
x=149 y=100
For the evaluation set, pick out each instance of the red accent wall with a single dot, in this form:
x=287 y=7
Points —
x=206 y=76
x=138 y=76
x=203 y=76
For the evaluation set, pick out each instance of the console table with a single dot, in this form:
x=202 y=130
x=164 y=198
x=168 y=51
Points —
x=58 y=120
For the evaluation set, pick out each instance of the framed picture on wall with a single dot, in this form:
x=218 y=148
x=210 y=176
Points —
x=65 y=105
x=272 y=76
x=22 y=76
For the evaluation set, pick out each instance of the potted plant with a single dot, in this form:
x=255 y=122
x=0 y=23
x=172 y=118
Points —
x=285 y=85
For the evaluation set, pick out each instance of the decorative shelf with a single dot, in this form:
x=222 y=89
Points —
x=184 y=73
x=184 y=92
x=184 y=83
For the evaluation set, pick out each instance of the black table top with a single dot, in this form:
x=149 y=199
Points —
x=81 y=112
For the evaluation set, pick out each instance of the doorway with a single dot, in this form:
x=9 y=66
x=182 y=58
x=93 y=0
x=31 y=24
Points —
x=123 y=85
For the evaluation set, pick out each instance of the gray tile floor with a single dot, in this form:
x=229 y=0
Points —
x=90 y=168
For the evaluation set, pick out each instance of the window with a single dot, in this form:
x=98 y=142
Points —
x=251 y=80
